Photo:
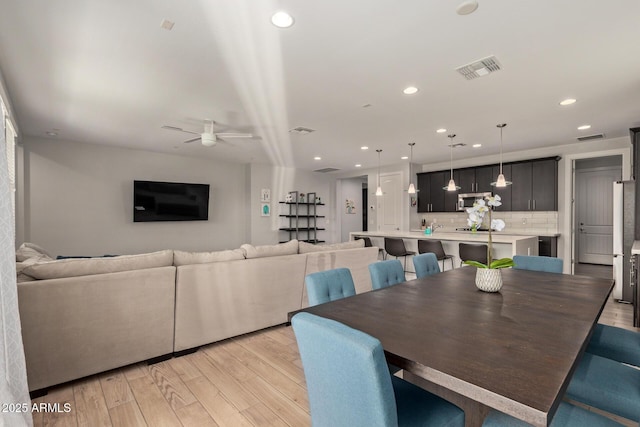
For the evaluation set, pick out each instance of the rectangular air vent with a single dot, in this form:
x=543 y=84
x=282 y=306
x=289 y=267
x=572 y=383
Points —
x=457 y=144
x=300 y=130
x=325 y=170
x=480 y=68
x=590 y=137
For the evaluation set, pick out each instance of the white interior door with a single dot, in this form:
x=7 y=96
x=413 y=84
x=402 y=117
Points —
x=594 y=201
x=390 y=203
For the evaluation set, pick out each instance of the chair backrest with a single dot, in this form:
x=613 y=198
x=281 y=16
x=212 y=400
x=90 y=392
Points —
x=433 y=246
x=386 y=273
x=394 y=246
x=426 y=264
x=538 y=263
x=329 y=285
x=472 y=252
x=348 y=381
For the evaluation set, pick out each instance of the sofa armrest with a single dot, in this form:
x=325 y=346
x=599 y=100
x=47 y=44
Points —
x=80 y=326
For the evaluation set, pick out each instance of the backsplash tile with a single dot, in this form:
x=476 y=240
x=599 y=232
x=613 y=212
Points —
x=535 y=223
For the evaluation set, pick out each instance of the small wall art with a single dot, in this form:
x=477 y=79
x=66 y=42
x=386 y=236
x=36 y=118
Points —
x=265 y=195
x=265 y=209
x=350 y=206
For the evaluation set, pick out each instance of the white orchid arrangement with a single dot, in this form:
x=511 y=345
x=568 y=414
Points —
x=475 y=220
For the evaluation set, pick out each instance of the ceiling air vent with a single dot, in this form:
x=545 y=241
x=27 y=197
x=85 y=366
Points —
x=590 y=137
x=300 y=130
x=456 y=145
x=480 y=68
x=326 y=170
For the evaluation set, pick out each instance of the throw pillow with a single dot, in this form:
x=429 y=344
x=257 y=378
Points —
x=31 y=250
x=288 y=248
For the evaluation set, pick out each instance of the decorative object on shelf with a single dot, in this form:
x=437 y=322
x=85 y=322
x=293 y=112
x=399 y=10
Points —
x=265 y=209
x=350 y=206
x=301 y=198
x=379 y=189
x=265 y=195
x=412 y=188
x=318 y=201
x=488 y=282
x=452 y=184
x=288 y=198
x=501 y=181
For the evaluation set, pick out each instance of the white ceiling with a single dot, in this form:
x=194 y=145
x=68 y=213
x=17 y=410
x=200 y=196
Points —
x=105 y=72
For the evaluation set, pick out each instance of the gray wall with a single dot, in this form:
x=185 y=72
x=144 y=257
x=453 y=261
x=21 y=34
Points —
x=351 y=189
x=78 y=200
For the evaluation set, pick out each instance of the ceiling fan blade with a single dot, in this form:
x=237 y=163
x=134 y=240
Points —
x=191 y=140
x=234 y=135
x=178 y=129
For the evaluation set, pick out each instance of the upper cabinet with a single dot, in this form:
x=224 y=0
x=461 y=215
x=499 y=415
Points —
x=535 y=186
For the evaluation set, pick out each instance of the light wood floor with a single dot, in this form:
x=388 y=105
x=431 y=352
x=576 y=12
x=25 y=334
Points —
x=253 y=380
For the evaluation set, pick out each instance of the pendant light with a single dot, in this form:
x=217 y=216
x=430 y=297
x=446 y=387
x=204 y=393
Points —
x=452 y=184
x=501 y=181
x=412 y=188
x=379 y=189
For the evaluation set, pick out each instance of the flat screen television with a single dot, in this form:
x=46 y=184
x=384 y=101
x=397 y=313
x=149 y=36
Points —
x=170 y=201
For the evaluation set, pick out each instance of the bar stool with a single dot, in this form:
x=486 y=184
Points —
x=472 y=252
x=434 y=246
x=368 y=244
x=395 y=247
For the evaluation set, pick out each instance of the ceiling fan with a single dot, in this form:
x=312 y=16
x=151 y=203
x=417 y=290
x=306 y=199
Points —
x=208 y=137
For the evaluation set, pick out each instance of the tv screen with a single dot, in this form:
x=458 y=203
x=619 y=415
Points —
x=170 y=201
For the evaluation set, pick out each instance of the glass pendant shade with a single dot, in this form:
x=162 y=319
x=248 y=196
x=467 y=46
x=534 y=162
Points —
x=501 y=181
x=412 y=189
x=379 y=191
x=452 y=184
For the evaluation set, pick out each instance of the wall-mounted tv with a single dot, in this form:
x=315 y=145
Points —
x=170 y=201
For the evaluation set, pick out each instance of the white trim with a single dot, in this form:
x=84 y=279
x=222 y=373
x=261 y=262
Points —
x=566 y=215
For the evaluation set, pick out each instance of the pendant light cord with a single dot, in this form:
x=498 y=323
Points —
x=501 y=126
x=451 y=152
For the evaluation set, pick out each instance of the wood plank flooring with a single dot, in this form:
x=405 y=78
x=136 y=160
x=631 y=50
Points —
x=252 y=380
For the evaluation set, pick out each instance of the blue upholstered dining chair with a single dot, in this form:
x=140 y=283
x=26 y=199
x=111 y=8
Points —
x=567 y=415
x=386 y=273
x=607 y=385
x=615 y=343
x=426 y=264
x=538 y=263
x=349 y=384
x=329 y=285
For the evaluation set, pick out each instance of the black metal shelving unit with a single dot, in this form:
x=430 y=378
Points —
x=303 y=218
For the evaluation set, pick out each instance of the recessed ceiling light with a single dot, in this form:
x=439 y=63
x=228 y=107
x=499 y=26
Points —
x=404 y=157
x=282 y=19
x=441 y=130
x=364 y=147
x=317 y=158
x=358 y=165
x=467 y=7
x=567 y=101
x=584 y=127
x=410 y=90
x=477 y=145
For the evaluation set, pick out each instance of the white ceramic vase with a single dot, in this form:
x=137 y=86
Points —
x=489 y=279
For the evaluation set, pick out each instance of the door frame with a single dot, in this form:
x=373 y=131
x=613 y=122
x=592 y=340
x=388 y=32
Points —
x=567 y=214
x=576 y=172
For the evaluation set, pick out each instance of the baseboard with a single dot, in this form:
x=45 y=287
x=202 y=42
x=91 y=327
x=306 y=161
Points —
x=159 y=359
x=185 y=352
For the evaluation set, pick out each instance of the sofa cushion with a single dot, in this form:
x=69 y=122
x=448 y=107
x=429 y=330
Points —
x=289 y=248
x=84 y=267
x=305 y=248
x=186 y=258
x=31 y=250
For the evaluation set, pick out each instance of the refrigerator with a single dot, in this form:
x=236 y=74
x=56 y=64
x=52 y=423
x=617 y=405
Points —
x=623 y=237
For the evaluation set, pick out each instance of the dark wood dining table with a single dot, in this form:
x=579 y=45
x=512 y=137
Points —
x=514 y=351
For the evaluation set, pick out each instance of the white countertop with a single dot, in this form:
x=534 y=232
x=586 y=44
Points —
x=635 y=249
x=466 y=236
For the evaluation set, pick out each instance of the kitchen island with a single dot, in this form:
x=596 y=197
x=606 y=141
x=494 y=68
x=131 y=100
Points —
x=504 y=245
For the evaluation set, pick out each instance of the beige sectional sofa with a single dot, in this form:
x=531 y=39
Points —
x=84 y=316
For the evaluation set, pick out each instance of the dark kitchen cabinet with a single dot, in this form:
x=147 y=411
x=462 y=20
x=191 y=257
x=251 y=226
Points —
x=465 y=179
x=484 y=177
x=432 y=197
x=535 y=185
